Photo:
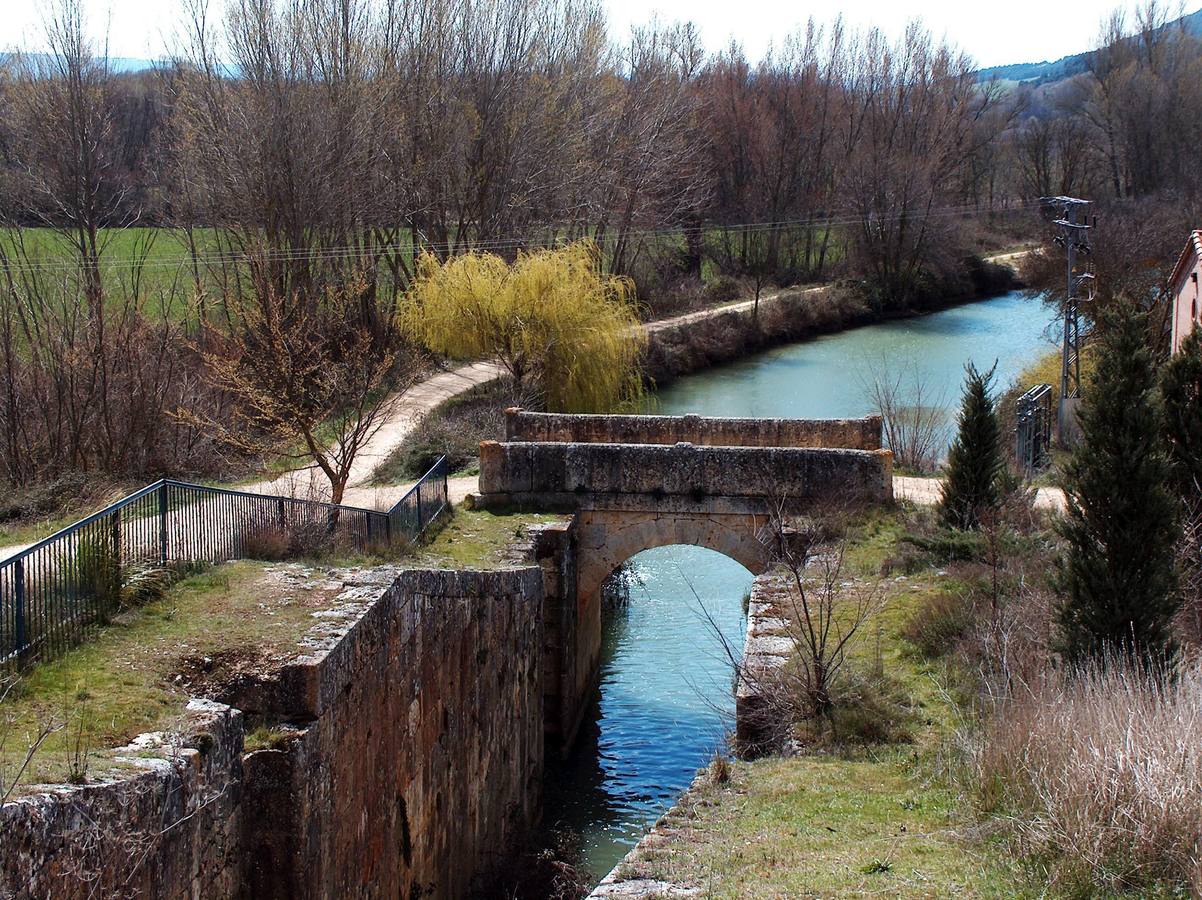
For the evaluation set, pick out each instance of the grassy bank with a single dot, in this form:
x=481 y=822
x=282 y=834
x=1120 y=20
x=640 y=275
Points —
x=852 y=814
x=197 y=639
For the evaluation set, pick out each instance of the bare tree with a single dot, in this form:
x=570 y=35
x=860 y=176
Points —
x=308 y=379
x=913 y=415
x=826 y=610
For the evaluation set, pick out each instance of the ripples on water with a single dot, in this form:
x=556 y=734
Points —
x=665 y=700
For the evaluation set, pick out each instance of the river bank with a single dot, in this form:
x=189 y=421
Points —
x=702 y=340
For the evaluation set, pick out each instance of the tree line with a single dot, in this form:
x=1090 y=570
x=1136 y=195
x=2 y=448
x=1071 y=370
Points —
x=289 y=152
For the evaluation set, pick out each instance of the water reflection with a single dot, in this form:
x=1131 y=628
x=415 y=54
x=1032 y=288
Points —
x=664 y=700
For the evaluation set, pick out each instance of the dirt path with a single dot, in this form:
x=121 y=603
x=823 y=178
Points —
x=311 y=483
x=925 y=492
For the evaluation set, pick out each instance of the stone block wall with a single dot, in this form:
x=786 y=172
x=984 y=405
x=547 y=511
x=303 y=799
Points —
x=561 y=475
x=422 y=763
x=171 y=828
x=855 y=434
x=410 y=763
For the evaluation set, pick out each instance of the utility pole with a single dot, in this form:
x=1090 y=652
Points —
x=1074 y=238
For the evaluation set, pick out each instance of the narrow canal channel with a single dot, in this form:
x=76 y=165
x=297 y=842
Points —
x=665 y=702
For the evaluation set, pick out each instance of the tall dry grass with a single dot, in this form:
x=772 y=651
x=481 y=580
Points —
x=1098 y=777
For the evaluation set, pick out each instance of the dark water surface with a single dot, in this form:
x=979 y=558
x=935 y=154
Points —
x=665 y=699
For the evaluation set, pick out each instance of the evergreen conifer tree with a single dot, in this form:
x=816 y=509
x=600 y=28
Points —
x=974 y=461
x=1117 y=578
x=1181 y=389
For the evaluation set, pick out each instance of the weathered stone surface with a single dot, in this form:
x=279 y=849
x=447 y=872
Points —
x=766 y=650
x=171 y=828
x=422 y=763
x=856 y=434
x=552 y=475
x=412 y=763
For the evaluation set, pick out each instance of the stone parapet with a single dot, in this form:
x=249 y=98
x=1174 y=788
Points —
x=554 y=475
x=855 y=434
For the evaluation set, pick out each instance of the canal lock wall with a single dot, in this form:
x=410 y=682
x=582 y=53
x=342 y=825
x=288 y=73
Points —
x=409 y=763
x=407 y=745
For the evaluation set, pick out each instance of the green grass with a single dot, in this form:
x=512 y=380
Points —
x=827 y=826
x=137 y=673
x=165 y=279
x=29 y=532
x=479 y=539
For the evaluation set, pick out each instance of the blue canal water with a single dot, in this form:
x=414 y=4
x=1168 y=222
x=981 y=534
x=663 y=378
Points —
x=665 y=700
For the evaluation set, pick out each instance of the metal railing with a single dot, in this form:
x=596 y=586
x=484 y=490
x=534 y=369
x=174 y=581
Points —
x=54 y=591
x=1033 y=429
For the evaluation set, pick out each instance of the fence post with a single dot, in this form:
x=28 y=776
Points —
x=19 y=605
x=115 y=528
x=418 y=495
x=163 y=524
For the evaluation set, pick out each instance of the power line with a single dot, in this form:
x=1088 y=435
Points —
x=534 y=238
x=1074 y=237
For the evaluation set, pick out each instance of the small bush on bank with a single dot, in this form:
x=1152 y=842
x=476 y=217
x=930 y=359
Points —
x=1097 y=777
x=871 y=709
x=307 y=540
x=948 y=545
x=939 y=624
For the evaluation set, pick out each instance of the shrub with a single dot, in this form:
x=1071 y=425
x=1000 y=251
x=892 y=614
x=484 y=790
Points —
x=1098 y=777
x=269 y=543
x=939 y=624
x=98 y=569
x=946 y=546
x=723 y=289
x=304 y=540
x=871 y=709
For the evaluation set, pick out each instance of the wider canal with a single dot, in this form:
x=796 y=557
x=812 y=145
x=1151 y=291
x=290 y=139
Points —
x=665 y=702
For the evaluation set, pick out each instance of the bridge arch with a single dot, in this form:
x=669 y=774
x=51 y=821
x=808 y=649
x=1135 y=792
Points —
x=607 y=538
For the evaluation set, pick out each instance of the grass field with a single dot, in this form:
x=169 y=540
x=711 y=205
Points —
x=158 y=261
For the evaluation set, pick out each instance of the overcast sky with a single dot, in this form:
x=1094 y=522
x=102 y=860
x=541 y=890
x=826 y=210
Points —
x=993 y=33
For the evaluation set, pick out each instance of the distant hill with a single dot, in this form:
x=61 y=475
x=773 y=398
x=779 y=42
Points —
x=1045 y=72
x=120 y=64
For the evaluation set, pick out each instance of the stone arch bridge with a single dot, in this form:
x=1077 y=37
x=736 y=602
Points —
x=639 y=482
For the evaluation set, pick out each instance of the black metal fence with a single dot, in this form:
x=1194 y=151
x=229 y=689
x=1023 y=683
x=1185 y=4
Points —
x=52 y=592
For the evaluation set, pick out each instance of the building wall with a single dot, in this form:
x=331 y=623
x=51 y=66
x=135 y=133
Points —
x=1187 y=300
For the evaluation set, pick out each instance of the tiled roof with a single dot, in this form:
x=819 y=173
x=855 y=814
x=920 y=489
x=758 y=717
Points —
x=1192 y=247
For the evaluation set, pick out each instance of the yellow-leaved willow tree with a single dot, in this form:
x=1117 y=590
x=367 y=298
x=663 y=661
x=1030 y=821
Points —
x=552 y=319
